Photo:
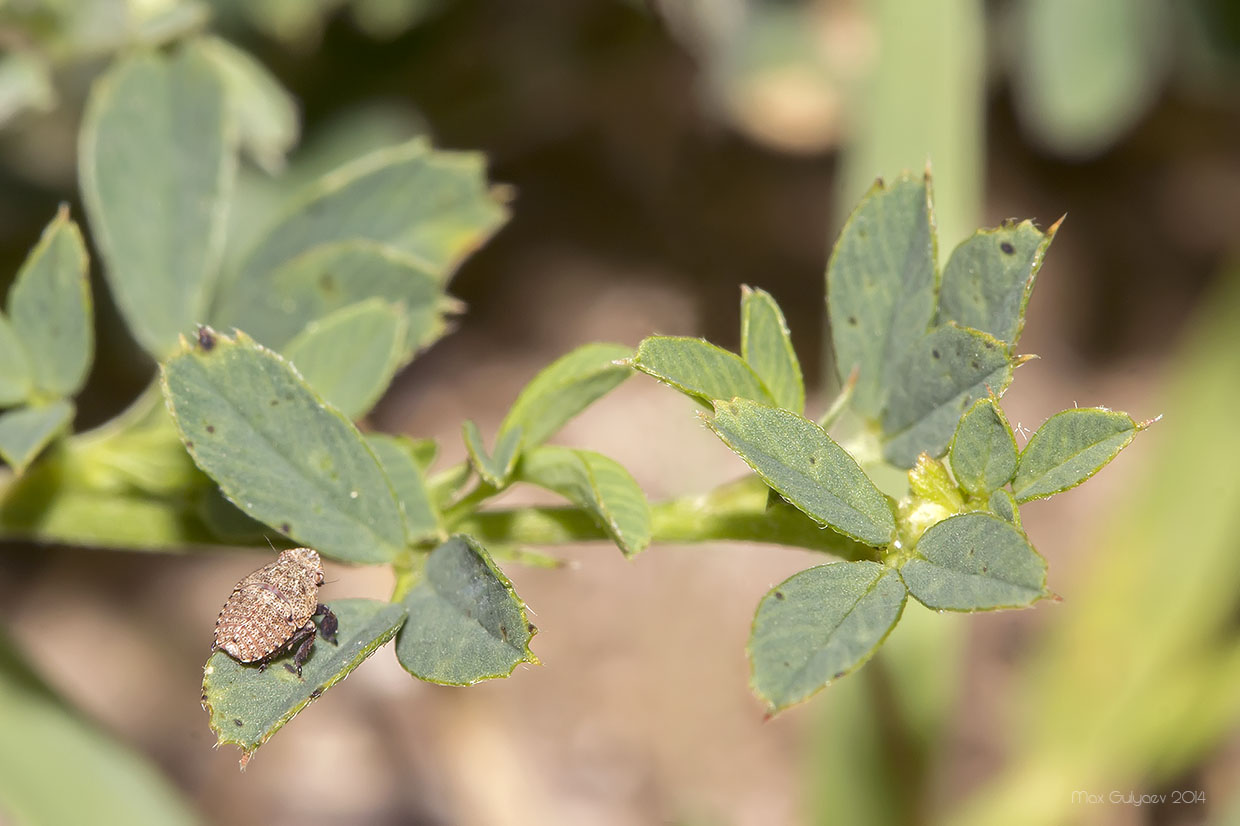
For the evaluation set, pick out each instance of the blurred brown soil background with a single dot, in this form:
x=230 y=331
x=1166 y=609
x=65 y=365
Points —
x=636 y=211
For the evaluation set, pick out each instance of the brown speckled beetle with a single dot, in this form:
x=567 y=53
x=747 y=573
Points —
x=272 y=612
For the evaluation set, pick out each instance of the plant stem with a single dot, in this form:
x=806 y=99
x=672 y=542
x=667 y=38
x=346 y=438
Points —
x=733 y=512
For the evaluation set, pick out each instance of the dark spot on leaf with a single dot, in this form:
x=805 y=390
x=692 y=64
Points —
x=989 y=345
x=813 y=460
x=531 y=627
x=985 y=569
x=975 y=364
x=787 y=664
x=285 y=527
x=275 y=402
x=317 y=693
x=935 y=354
x=210 y=428
x=1007 y=248
x=503 y=632
x=838 y=675
x=238 y=722
x=206 y=339
x=189 y=445
x=852 y=321
x=779 y=595
x=326 y=283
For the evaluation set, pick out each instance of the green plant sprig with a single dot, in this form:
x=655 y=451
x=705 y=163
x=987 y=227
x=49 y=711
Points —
x=268 y=361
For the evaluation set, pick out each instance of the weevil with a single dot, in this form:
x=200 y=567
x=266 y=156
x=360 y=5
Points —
x=272 y=611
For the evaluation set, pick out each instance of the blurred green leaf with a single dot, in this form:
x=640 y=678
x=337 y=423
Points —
x=423 y=451
x=265 y=113
x=350 y=356
x=564 y=388
x=766 y=346
x=396 y=457
x=598 y=484
x=497 y=468
x=466 y=624
x=57 y=767
x=699 y=369
x=1003 y=504
x=247 y=706
x=15 y=379
x=25 y=431
x=941 y=376
x=1068 y=448
x=430 y=204
x=881 y=285
x=25 y=83
x=51 y=312
x=255 y=427
x=975 y=562
x=1084 y=73
x=1131 y=683
x=805 y=466
x=156 y=171
x=920 y=96
x=983 y=451
x=820 y=625
x=988 y=279
x=275 y=307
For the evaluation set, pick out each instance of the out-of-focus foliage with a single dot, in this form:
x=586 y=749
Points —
x=57 y=767
x=1137 y=676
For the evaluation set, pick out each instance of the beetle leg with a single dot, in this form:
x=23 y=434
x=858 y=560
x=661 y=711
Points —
x=306 y=635
x=328 y=624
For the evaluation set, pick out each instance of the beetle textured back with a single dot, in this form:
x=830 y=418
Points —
x=272 y=608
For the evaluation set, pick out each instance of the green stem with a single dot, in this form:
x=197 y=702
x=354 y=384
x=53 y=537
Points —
x=409 y=573
x=734 y=512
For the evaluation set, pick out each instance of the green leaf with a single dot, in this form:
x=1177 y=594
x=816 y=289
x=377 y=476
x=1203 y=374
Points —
x=598 y=484
x=1003 y=505
x=495 y=469
x=564 y=388
x=396 y=457
x=432 y=205
x=699 y=369
x=47 y=743
x=805 y=466
x=819 y=625
x=983 y=451
x=424 y=452
x=255 y=427
x=25 y=431
x=881 y=285
x=247 y=706
x=975 y=562
x=1068 y=448
x=25 y=83
x=15 y=378
x=156 y=164
x=275 y=306
x=944 y=373
x=988 y=279
x=766 y=346
x=466 y=624
x=265 y=113
x=51 y=311
x=350 y=356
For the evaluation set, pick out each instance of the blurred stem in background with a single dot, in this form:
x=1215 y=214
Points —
x=922 y=101
x=1137 y=679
